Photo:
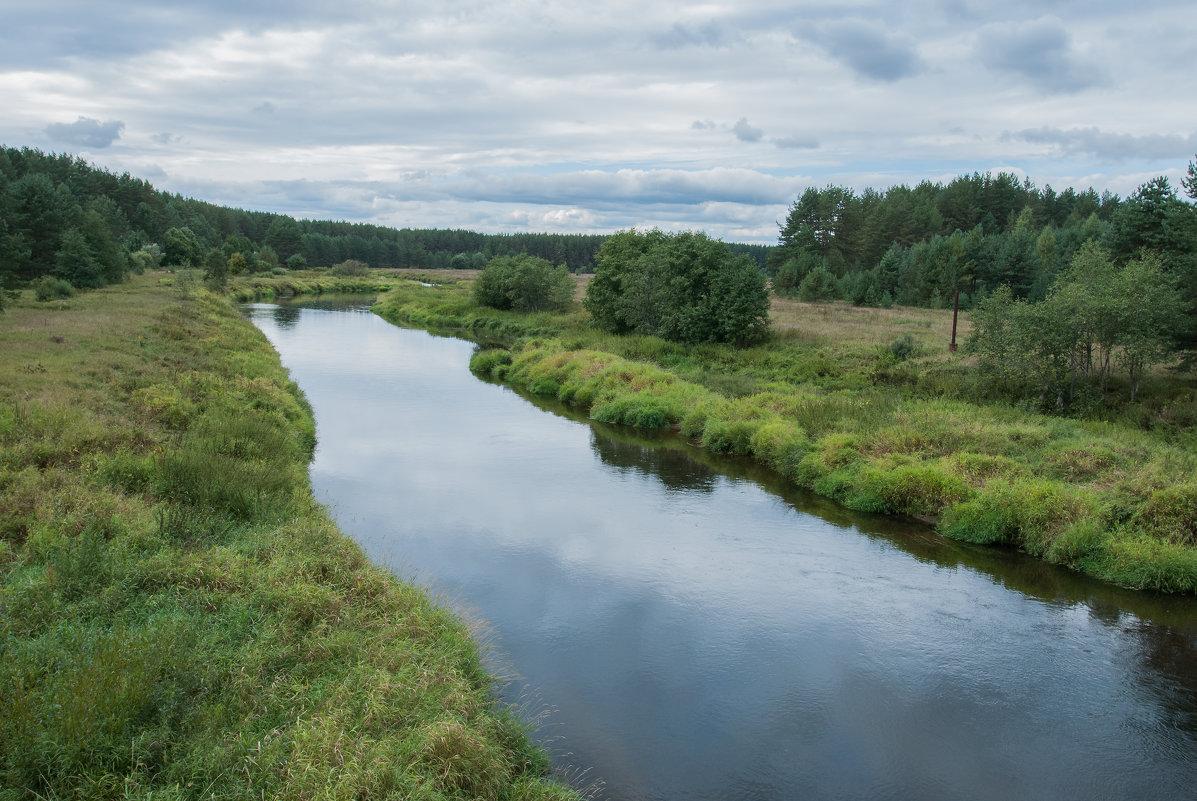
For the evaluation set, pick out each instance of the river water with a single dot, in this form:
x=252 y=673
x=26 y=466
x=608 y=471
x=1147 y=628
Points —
x=685 y=627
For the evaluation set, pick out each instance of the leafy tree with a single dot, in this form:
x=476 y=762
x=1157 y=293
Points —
x=623 y=263
x=148 y=257
x=297 y=262
x=181 y=248
x=684 y=287
x=237 y=264
x=1151 y=312
x=1094 y=315
x=525 y=284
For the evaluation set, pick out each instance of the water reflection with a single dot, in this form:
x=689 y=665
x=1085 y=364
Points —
x=673 y=467
x=702 y=630
x=286 y=315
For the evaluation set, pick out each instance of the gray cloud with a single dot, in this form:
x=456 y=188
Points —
x=868 y=48
x=86 y=132
x=745 y=132
x=703 y=125
x=1040 y=51
x=1113 y=146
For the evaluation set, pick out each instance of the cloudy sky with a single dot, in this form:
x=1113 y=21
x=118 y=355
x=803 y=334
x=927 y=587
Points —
x=553 y=116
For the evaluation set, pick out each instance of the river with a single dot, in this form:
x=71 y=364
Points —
x=686 y=627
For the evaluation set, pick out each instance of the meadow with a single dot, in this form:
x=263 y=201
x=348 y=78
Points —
x=869 y=408
x=178 y=617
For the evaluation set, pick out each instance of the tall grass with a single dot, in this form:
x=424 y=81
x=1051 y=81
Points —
x=178 y=618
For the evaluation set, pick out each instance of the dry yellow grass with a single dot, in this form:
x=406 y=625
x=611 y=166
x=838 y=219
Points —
x=842 y=323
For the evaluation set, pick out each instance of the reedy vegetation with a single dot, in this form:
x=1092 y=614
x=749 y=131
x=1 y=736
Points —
x=891 y=425
x=178 y=618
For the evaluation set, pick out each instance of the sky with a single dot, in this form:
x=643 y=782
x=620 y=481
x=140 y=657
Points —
x=537 y=115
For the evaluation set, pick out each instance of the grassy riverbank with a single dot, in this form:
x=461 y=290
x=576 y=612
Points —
x=178 y=618
x=867 y=408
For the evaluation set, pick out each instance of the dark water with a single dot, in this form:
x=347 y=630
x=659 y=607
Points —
x=697 y=632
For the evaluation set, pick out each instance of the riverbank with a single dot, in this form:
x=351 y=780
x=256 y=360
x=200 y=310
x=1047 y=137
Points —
x=875 y=419
x=178 y=618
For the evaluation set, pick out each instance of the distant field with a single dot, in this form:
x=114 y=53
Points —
x=811 y=322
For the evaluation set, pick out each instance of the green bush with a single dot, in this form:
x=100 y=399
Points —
x=683 y=287
x=902 y=348
x=524 y=284
x=49 y=287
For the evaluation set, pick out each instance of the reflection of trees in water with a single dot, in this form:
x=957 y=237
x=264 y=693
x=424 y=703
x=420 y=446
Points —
x=285 y=313
x=1168 y=657
x=286 y=316
x=673 y=467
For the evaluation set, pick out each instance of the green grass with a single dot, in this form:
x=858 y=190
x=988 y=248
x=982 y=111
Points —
x=833 y=405
x=178 y=618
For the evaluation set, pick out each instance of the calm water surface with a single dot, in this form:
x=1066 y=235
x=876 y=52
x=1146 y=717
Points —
x=692 y=630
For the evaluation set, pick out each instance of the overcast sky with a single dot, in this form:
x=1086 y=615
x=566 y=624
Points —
x=579 y=117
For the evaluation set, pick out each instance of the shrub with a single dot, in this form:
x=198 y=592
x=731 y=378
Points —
x=50 y=288
x=524 y=284
x=902 y=348
x=681 y=287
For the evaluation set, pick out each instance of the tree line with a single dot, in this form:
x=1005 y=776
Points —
x=918 y=246
x=63 y=217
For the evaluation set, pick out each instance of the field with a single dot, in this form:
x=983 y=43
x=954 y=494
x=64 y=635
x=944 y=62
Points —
x=178 y=618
